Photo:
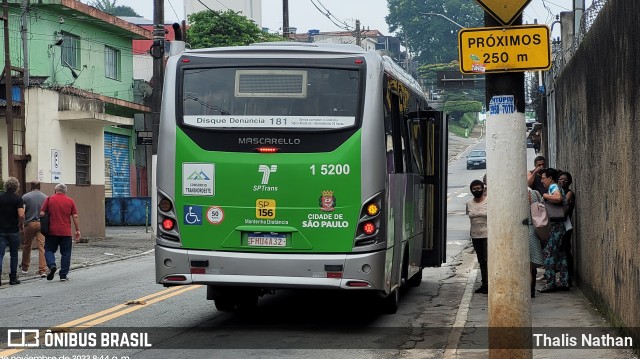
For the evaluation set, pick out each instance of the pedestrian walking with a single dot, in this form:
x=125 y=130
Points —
x=61 y=209
x=554 y=258
x=11 y=223
x=33 y=201
x=477 y=212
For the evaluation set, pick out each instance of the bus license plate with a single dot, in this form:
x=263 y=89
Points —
x=267 y=240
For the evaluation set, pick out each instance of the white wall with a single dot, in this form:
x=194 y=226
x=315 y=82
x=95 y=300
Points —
x=44 y=132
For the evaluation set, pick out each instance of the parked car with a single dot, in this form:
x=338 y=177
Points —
x=529 y=143
x=477 y=159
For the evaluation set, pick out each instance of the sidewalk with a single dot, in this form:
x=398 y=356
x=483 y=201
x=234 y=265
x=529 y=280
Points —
x=119 y=243
x=562 y=315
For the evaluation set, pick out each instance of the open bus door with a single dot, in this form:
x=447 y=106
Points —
x=436 y=142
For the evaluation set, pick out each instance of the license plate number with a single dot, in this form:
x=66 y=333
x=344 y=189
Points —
x=263 y=240
x=476 y=163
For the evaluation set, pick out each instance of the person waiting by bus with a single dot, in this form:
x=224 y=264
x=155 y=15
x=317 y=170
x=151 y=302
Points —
x=534 y=180
x=554 y=258
x=536 y=259
x=564 y=180
x=476 y=209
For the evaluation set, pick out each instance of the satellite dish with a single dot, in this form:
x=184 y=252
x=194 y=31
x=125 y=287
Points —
x=145 y=88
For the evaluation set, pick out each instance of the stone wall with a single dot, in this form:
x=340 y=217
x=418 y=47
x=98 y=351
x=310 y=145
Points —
x=598 y=139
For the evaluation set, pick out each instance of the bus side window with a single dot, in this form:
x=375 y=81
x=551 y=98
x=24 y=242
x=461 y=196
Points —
x=397 y=135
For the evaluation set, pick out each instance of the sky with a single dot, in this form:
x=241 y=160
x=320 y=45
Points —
x=371 y=13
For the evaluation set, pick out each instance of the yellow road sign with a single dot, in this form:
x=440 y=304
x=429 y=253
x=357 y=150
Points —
x=504 y=49
x=504 y=11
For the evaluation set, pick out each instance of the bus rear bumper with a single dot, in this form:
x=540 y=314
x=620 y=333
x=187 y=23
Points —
x=177 y=266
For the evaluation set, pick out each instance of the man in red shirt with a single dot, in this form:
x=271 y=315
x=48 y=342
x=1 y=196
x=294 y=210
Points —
x=61 y=209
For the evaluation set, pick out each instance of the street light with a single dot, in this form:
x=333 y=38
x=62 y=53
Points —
x=444 y=16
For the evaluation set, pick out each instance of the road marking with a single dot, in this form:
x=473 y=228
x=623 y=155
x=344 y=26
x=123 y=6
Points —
x=463 y=194
x=108 y=314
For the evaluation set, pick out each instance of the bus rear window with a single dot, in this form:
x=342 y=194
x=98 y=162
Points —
x=251 y=98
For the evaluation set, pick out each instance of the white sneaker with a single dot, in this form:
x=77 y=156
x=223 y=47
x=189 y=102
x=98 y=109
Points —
x=24 y=271
x=64 y=279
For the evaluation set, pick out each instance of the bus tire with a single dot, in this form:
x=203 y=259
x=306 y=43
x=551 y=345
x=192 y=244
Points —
x=415 y=280
x=225 y=304
x=389 y=303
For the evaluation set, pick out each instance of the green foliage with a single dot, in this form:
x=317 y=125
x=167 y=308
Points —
x=464 y=125
x=429 y=72
x=462 y=106
x=111 y=8
x=228 y=28
x=433 y=37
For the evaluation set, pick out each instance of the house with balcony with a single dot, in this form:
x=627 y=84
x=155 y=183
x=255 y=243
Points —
x=72 y=114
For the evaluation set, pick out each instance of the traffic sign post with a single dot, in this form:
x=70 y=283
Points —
x=504 y=49
x=505 y=11
x=56 y=166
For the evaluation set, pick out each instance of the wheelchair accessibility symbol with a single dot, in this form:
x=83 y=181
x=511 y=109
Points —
x=193 y=215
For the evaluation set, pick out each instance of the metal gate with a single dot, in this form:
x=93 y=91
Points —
x=116 y=165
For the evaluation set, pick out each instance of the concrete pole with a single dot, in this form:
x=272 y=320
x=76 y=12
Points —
x=157 y=52
x=8 y=90
x=509 y=307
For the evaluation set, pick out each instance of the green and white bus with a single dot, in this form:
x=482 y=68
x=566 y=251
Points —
x=300 y=166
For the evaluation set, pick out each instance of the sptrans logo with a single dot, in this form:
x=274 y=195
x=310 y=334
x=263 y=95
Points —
x=266 y=171
x=35 y=338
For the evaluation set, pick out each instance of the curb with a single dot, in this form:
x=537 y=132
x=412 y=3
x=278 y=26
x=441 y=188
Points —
x=34 y=277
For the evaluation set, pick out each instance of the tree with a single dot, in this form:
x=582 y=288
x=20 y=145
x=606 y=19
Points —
x=433 y=37
x=111 y=8
x=228 y=28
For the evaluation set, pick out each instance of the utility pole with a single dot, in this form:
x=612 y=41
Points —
x=25 y=45
x=509 y=311
x=358 y=41
x=157 y=52
x=8 y=89
x=285 y=19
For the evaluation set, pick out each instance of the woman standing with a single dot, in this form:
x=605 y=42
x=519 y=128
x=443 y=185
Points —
x=536 y=258
x=477 y=212
x=554 y=258
x=565 y=180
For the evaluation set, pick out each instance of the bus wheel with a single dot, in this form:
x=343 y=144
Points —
x=415 y=280
x=247 y=302
x=390 y=302
x=225 y=303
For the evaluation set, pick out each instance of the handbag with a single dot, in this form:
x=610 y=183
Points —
x=540 y=219
x=44 y=224
x=557 y=211
x=45 y=220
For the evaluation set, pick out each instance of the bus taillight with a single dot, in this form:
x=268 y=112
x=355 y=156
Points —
x=168 y=224
x=369 y=228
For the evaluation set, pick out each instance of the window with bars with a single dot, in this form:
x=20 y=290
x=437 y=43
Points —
x=70 y=50
x=83 y=165
x=112 y=63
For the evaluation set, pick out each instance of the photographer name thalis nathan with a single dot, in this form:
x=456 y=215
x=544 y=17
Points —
x=585 y=340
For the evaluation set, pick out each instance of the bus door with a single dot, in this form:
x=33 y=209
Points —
x=434 y=132
x=396 y=184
